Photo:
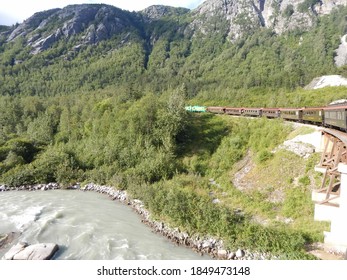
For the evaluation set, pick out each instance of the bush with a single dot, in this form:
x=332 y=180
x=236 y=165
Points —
x=297 y=203
x=288 y=11
x=305 y=180
x=263 y=156
x=304 y=6
x=19 y=176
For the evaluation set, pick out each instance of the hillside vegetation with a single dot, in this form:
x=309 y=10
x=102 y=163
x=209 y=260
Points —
x=113 y=113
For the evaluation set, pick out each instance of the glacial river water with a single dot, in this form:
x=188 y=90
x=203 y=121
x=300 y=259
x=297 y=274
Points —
x=86 y=226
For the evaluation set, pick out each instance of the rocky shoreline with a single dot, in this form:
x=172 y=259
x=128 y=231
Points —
x=199 y=244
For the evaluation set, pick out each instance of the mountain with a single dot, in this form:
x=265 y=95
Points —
x=241 y=16
x=94 y=22
x=220 y=44
x=100 y=22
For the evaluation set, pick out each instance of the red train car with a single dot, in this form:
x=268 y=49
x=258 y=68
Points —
x=216 y=110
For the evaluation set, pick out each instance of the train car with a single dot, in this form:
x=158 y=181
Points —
x=216 y=110
x=198 y=109
x=292 y=114
x=252 y=112
x=313 y=115
x=336 y=117
x=271 y=112
x=233 y=111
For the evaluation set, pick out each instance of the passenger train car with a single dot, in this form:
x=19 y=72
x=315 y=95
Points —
x=332 y=116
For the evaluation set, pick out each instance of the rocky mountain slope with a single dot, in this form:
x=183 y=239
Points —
x=220 y=44
x=278 y=15
x=95 y=23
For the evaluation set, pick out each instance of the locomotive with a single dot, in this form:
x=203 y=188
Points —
x=331 y=116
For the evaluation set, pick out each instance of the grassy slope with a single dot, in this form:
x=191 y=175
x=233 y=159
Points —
x=248 y=218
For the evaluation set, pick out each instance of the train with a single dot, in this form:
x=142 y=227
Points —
x=332 y=116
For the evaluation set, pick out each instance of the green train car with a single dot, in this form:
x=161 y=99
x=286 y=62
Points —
x=313 y=115
x=197 y=109
x=336 y=117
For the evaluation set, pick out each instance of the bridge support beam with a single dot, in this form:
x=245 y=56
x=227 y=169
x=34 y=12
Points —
x=337 y=237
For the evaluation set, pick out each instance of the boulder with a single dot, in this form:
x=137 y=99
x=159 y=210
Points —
x=222 y=254
x=15 y=250
x=23 y=251
x=231 y=256
x=6 y=239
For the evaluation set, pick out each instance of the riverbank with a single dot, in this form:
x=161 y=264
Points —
x=200 y=244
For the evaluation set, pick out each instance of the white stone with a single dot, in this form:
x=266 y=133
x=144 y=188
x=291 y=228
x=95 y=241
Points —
x=37 y=252
x=327 y=81
x=240 y=253
x=15 y=250
x=222 y=253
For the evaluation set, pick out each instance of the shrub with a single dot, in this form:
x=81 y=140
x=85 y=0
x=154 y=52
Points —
x=263 y=156
x=305 y=180
x=304 y=6
x=297 y=203
x=288 y=11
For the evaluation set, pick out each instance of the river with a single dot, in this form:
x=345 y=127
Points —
x=85 y=225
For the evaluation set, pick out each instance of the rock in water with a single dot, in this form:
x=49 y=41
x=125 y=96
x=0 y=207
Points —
x=23 y=251
x=6 y=239
x=15 y=250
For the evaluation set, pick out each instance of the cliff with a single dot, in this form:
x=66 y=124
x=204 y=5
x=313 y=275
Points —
x=234 y=18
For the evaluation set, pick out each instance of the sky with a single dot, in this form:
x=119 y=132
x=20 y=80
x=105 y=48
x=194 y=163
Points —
x=16 y=11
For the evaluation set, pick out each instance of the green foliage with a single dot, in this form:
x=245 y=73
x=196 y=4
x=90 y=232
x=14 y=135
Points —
x=18 y=176
x=165 y=56
x=19 y=148
x=271 y=239
x=263 y=156
x=288 y=11
x=301 y=131
x=196 y=213
x=228 y=153
x=4 y=28
x=296 y=202
x=307 y=4
x=82 y=135
x=305 y=181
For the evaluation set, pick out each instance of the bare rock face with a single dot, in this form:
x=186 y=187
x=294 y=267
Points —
x=341 y=52
x=97 y=22
x=327 y=81
x=157 y=12
x=238 y=17
x=32 y=23
x=92 y=23
x=23 y=251
x=241 y=16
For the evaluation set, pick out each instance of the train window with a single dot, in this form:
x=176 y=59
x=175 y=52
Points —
x=339 y=116
x=331 y=115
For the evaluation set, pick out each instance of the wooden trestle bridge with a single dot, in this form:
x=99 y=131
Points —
x=331 y=199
